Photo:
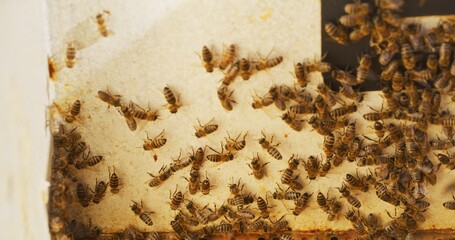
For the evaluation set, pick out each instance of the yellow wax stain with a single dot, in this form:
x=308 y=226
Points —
x=267 y=14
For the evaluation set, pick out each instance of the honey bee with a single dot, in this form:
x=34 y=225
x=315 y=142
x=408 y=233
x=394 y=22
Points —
x=163 y=175
x=389 y=70
x=303 y=97
x=337 y=33
x=205 y=130
x=241 y=214
x=299 y=109
x=360 y=32
x=279 y=225
x=343 y=111
x=450 y=204
x=431 y=41
x=327 y=95
x=263 y=206
x=356 y=182
x=143 y=215
x=267 y=145
x=231 y=73
x=234 y=145
x=388 y=53
x=414 y=34
x=193 y=182
x=235 y=188
x=391 y=18
x=352 y=20
x=152 y=144
x=69 y=174
x=408 y=57
x=220 y=156
x=130 y=121
x=70 y=55
x=260 y=102
x=100 y=190
x=176 y=199
x=114 y=182
x=377 y=115
x=197 y=158
x=344 y=77
x=266 y=63
x=357 y=8
x=301 y=74
x=445 y=31
x=227 y=58
x=73 y=112
x=312 y=166
x=173 y=102
x=391 y=101
x=207 y=59
x=52 y=68
x=106 y=97
x=205 y=185
x=398 y=81
x=291 y=119
x=354 y=149
x=443 y=159
x=347 y=194
x=258 y=169
x=364 y=67
x=350 y=93
x=240 y=200
x=287 y=176
x=101 y=21
x=75 y=151
x=83 y=195
x=215 y=215
x=140 y=113
x=88 y=161
x=178 y=228
x=317 y=66
x=280 y=194
x=246 y=68
x=225 y=97
x=63 y=139
x=441 y=145
x=224 y=227
x=445 y=51
x=301 y=204
x=394 y=5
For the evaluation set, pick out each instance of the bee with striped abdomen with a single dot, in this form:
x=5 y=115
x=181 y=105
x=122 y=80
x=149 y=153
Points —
x=143 y=215
x=267 y=145
x=206 y=129
x=172 y=100
x=257 y=167
x=114 y=182
x=152 y=144
x=234 y=145
x=227 y=58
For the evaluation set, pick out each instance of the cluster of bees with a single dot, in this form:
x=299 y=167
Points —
x=69 y=156
x=232 y=67
x=418 y=70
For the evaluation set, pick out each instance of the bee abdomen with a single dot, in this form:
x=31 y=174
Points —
x=76 y=108
x=213 y=157
x=94 y=160
x=169 y=96
x=274 y=153
x=146 y=219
